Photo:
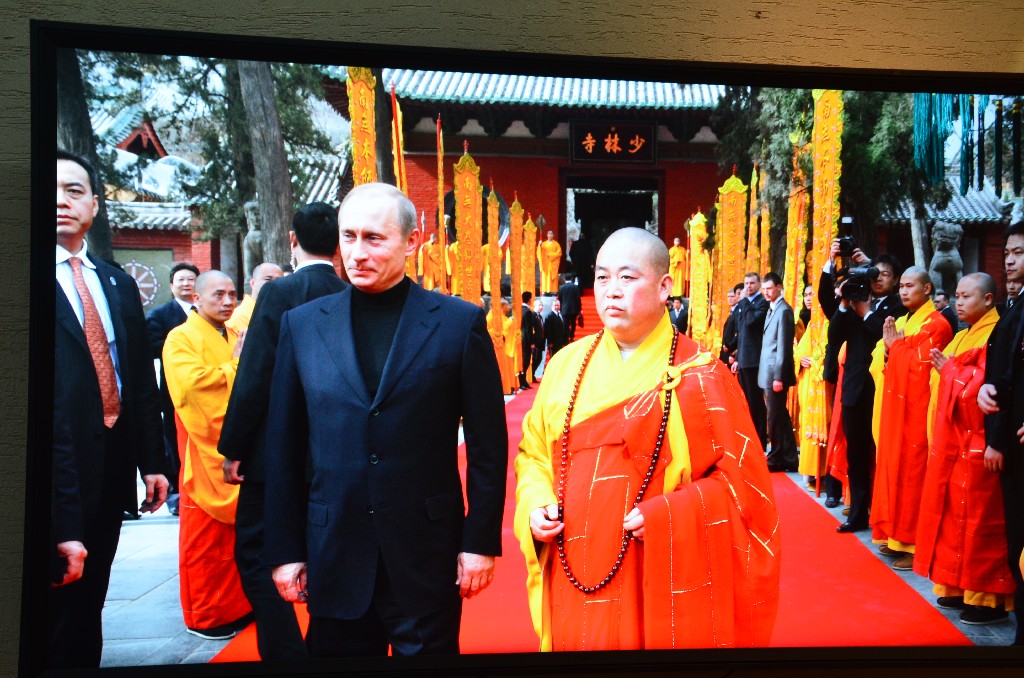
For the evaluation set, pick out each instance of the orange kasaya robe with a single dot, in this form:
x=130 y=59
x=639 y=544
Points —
x=200 y=372
x=836 y=461
x=902 y=452
x=961 y=529
x=707 y=571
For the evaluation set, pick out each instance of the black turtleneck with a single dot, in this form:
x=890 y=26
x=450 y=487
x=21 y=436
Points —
x=374 y=322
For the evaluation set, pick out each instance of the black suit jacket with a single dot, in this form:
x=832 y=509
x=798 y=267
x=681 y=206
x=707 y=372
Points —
x=861 y=336
x=729 y=336
x=1003 y=370
x=554 y=331
x=159 y=322
x=569 y=297
x=949 y=313
x=242 y=437
x=385 y=469
x=679 y=319
x=829 y=305
x=750 y=315
x=107 y=459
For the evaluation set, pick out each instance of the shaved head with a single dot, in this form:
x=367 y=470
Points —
x=985 y=284
x=263 y=274
x=210 y=277
x=919 y=273
x=649 y=247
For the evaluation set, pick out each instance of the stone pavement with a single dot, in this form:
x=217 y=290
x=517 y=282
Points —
x=142 y=622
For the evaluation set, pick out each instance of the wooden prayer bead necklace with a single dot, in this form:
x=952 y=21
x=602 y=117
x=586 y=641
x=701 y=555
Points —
x=627 y=538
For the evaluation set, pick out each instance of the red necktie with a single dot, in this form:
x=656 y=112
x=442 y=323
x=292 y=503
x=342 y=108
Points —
x=96 y=337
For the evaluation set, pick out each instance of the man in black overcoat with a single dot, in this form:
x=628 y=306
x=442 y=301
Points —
x=369 y=388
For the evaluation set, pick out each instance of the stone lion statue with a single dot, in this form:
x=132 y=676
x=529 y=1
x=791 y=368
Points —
x=947 y=266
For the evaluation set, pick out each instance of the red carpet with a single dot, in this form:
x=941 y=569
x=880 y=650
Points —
x=834 y=591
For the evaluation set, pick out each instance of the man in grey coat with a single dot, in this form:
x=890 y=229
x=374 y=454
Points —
x=775 y=374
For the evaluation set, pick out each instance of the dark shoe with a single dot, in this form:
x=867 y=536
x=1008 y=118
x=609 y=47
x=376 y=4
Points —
x=850 y=527
x=950 y=602
x=831 y=502
x=131 y=515
x=772 y=468
x=905 y=563
x=222 y=632
x=980 y=616
x=886 y=551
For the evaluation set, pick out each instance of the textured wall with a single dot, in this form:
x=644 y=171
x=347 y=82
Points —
x=933 y=35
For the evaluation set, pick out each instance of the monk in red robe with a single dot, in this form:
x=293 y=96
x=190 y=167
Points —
x=902 y=454
x=961 y=529
x=644 y=506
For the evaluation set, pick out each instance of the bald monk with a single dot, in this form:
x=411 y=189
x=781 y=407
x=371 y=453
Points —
x=902 y=455
x=261 y=275
x=200 y=358
x=679 y=267
x=497 y=330
x=961 y=529
x=430 y=265
x=549 y=256
x=689 y=558
x=454 y=269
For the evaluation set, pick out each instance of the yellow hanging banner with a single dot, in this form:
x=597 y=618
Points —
x=528 y=280
x=515 y=250
x=751 y=260
x=796 y=232
x=360 y=86
x=828 y=138
x=469 y=225
x=442 y=224
x=732 y=219
x=700 y=280
x=766 y=228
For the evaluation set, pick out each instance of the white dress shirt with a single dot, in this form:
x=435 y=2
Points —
x=66 y=280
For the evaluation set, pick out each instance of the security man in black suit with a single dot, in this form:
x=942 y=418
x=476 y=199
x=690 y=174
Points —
x=105 y=375
x=569 y=296
x=729 y=336
x=160 y=321
x=859 y=324
x=1001 y=398
x=678 y=314
x=369 y=387
x=751 y=312
x=314 y=242
x=527 y=336
x=554 y=328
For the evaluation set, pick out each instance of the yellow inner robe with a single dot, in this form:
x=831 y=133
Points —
x=679 y=267
x=608 y=380
x=200 y=373
x=549 y=256
x=815 y=408
x=242 y=314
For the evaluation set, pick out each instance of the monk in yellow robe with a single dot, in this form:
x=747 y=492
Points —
x=496 y=328
x=431 y=266
x=410 y=266
x=679 y=267
x=200 y=359
x=262 y=274
x=961 y=544
x=644 y=507
x=549 y=257
x=510 y=333
x=812 y=396
x=454 y=269
x=902 y=453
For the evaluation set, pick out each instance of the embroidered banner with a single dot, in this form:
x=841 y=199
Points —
x=468 y=222
x=364 y=134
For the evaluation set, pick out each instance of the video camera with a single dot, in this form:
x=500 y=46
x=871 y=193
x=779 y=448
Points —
x=858 y=279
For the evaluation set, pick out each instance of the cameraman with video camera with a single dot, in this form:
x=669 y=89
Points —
x=868 y=295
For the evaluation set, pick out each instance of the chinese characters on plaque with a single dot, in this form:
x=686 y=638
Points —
x=613 y=142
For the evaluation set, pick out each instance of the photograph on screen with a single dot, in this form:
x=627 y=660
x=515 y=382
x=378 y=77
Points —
x=359 y=358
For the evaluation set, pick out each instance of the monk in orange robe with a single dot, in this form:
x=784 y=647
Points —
x=902 y=452
x=961 y=544
x=644 y=507
x=200 y=360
